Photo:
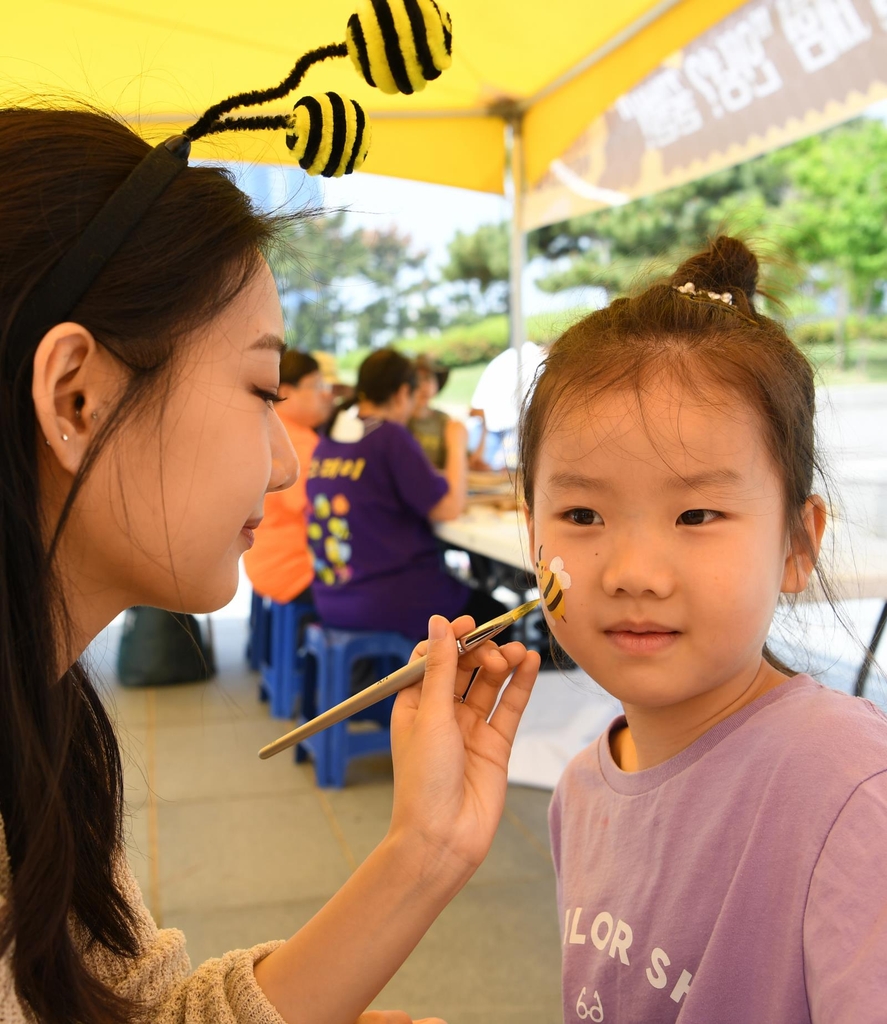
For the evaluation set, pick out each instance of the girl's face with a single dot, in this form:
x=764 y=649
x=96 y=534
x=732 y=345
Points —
x=166 y=514
x=669 y=523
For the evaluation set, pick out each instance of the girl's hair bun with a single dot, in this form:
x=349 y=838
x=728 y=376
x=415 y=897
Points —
x=727 y=265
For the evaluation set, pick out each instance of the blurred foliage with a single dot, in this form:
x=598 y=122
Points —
x=473 y=343
x=815 y=211
x=330 y=277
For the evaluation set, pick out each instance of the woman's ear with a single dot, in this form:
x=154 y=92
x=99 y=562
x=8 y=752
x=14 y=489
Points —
x=73 y=381
x=804 y=551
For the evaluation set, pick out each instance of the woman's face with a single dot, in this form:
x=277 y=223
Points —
x=168 y=510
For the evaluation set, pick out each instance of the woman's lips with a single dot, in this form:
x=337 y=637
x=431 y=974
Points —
x=249 y=530
x=641 y=643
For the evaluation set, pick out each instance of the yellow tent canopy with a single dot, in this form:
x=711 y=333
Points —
x=549 y=67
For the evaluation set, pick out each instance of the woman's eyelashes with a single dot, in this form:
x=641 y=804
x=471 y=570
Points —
x=271 y=397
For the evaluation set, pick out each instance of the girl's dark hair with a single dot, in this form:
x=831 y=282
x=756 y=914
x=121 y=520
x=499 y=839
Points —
x=702 y=342
x=61 y=795
x=295 y=365
x=381 y=375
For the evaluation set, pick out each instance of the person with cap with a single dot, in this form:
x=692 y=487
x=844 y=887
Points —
x=279 y=564
x=140 y=342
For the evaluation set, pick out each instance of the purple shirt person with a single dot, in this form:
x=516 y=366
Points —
x=373 y=495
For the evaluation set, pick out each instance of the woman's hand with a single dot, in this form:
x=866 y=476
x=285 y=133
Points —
x=451 y=758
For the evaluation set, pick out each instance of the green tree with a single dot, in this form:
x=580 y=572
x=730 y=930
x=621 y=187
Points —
x=333 y=280
x=610 y=248
x=835 y=216
x=479 y=262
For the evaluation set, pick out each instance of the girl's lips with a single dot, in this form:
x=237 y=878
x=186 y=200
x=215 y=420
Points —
x=641 y=643
x=250 y=535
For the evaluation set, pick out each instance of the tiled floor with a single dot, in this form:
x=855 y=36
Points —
x=234 y=850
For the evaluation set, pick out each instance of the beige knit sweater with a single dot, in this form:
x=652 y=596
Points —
x=220 y=991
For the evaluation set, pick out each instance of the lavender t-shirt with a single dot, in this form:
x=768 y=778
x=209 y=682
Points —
x=744 y=880
x=376 y=560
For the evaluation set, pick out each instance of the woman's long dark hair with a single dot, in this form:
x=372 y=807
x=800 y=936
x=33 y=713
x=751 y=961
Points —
x=61 y=794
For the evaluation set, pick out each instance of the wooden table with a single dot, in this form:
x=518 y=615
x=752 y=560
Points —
x=856 y=562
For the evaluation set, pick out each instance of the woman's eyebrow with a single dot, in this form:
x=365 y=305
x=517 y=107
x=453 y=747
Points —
x=271 y=341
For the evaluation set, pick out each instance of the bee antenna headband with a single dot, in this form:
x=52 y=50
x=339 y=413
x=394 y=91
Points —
x=327 y=134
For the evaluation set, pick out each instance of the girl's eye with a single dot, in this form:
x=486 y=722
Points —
x=583 y=516
x=271 y=397
x=698 y=517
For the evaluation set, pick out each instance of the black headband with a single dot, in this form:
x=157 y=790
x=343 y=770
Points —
x=328 y=135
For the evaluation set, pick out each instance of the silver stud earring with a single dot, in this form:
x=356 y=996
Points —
x=48 y=445
x=64 y=437
x=95 y=415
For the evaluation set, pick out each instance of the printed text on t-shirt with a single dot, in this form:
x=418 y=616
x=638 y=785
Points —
x=614 y=938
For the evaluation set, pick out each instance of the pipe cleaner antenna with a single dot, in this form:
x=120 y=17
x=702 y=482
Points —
x=396 y=45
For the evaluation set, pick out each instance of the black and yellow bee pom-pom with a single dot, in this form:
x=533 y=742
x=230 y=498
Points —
x=328 y=135
x=399 y=45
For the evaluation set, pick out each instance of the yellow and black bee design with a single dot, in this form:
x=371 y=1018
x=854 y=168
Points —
x=553 y=581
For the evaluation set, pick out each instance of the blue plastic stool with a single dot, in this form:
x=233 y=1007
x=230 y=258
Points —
x=259 y=632
x=334 y=652
x=282 y=667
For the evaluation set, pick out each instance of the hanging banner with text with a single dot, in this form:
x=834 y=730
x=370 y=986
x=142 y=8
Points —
x=772 y=72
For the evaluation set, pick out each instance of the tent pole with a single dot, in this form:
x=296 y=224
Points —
x=518 y=247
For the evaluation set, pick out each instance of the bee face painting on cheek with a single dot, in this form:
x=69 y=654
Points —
x=139 y=367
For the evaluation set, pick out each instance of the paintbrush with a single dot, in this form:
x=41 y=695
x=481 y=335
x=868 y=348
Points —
x=398 y=680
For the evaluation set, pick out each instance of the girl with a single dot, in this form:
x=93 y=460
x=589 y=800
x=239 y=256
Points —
x=373 y=496
x=719 y=850
x=137 y=441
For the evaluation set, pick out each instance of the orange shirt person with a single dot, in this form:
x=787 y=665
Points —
x=279 y=564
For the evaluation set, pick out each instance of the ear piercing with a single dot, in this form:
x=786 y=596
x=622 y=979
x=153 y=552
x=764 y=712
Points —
x=93 y=416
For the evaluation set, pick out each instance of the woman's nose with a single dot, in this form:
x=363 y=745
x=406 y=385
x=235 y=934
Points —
x=284 y=461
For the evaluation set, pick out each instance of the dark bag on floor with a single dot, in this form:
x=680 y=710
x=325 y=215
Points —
x=160 y=647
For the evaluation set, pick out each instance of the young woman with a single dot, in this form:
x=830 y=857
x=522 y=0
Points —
x=137 y=442
x=719 y=850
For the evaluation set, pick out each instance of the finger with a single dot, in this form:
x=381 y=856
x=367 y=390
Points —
x=515 y=697
x=496 y=668
x=440 y=671
x=464 y=624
